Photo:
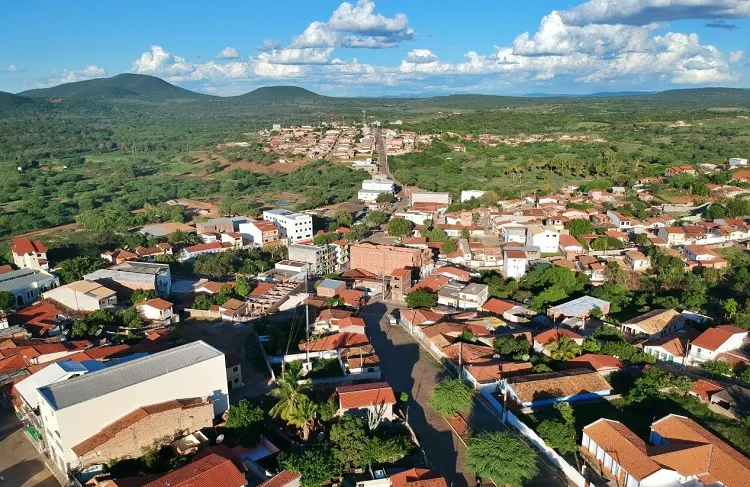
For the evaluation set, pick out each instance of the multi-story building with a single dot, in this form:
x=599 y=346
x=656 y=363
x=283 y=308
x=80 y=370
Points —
x=81 y=416
x=372 y=188
x=515 y=263
x=318 y=256
x=292 y=226
x=546 y=238
x=215 y=225
x=29 y=255
x=83 y=296
x=384 y=259
x=27 y=285
x=261 y=232
x=129 y=276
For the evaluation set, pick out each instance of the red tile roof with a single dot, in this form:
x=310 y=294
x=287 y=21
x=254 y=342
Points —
x=352 y=297
x=283 y=479
x=713 y=338
x=336 y=341
x=417 y=477
x=549 y=336
x=705 y=388
x=499 y=306
x=100 y=353
x=598 y=361
x=158 y=303
x=432 y=283
x=202 y=247
x=39 y=317
x=364 y=395
x=210 y=471
x=262 y=288
x=23 y=245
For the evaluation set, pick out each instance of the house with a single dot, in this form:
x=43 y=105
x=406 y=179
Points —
x=193 y=251
x=514 y=263
x=129 y=276
x=671 y=347
x=603 y=364
x=736 y=162
x=734 y=399
x=575 y=312
x=215 y=225
x=234 y=309
x=157 y=310
x=637 y=261
x=28 y=254
x=116 y=411
x=214 y=466
x=675 y=170
x=360 y=360
x=233 y=364
x=260 y=232
x=372 y=188
x=328 y=320
x=118 y=256
x=363 y=399
x=654 y=324
x=507 y=309
x=513 y=233
x=680 y=453
x=704 y=389
x=401 y=283
x=335 y=342
x=672 y=235
x=414 y=318
x=546 y=238
x=42 y=319
x=539 y=390
x=700 y=256
x=149 y=254
x=82 y=296
x=452 y=272
x=27 y=285
x=472 y=296
x=292 y=226
x=353 y=298
x=715 y=341
x=328 y=288
x=547 y=337
x=620 y=221
x=570 y=246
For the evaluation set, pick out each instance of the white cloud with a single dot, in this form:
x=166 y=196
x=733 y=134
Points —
x=12 y=68
x=159 y=61
x=317 y=34
x=72 y=75
x=360 y=18
x=269 y=45
x=735 y=57
x=421 y=56
x=292 y=55
x=92 y=71
x=640 y=12
x=228 y=53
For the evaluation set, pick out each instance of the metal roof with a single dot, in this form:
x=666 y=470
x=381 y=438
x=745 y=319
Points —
x=23 y=278
x=580 y=306
x=112 y=379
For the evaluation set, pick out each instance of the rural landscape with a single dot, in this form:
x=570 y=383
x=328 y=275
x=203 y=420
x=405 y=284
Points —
x=299 y=270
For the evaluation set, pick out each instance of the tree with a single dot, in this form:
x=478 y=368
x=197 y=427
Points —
x=560 y=434
x=510 y=345
x=142 y=295
x=450 y=397
x=449 y=246
x=385 y=198
x=563 y=349
x=131 y=318
x=349 y=442
x=400 y=227
x=245 y=420
x=90 y=325
x=203 y=302
x=242 y=287
x=377 y=218
x=6 y=300
x=421 y=298
x=357 y=232
x=718 y=367
x=317 y=465
x=502 y=458
x=74 y=269
x=730 y=308
x=344 y=218
x=606 y=243
x=388 y=449
x=579 y=226
x=303 y=416
x=290 y=391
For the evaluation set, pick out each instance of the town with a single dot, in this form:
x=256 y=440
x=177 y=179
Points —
x=225 y=349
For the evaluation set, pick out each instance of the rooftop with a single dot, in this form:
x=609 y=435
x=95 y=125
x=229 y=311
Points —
x=657 y=320
x=557 y=385
x=96 y=384
x=363 y=395
x=579 y=307
x=713 y=338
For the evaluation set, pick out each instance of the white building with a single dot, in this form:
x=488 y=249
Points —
x=428 y=197
x=515 y=263
x=619 y=220
x=737 y=161
x=546 y=238
x=129 y=276
x=715 y=341
x=469 y=194
x=74 y=410
x=157 y=309
x=27 y=285
x=83 y=296
x=319 y=257
x=292 y=226
x=29 y=255
x=372 y=188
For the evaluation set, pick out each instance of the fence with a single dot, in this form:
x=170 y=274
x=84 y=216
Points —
x=558 y=461
x=202 y=314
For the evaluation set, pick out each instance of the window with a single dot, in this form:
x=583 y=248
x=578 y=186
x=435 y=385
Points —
x=234 y=369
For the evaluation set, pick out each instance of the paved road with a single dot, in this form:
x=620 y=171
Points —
x=409 y=367
x=21 y=465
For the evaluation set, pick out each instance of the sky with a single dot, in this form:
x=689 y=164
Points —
x=383 y=47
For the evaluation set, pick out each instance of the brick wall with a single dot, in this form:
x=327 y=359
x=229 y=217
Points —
x=383 y=259
x=163 y=427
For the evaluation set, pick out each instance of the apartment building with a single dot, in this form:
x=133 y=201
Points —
x=77 y=412
x=261 y=232
x=319 y=257
x=29 y=255
x=129 y=276
x=546 y=238
x=292 y=226
x=372 y=188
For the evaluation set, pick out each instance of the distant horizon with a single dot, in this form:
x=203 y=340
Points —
x=382 y=48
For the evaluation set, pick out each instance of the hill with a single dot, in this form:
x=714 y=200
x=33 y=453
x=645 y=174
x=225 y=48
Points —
x=120 y=86
x=274 y=94
x=727 y=96
x=9 y=101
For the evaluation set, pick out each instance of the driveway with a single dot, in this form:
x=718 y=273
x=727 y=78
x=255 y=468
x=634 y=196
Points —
x=409 y=367
x=21 y=465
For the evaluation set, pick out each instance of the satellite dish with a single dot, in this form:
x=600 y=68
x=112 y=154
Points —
x=219 y=439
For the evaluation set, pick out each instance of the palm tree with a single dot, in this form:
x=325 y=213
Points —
x=290 y=392
x=303 y=416
x=563 y=349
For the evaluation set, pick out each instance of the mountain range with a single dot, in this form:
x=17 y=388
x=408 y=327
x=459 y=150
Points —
x=125 y=87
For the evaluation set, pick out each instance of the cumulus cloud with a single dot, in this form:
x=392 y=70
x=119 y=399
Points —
x=421 y=56
x=317 y=34
x=640 y=12
x=12 y=68
x=293 y=55
x=228 y=53
x=269 y=45
x=159 y=61
x=72 y=75
x=735 y=57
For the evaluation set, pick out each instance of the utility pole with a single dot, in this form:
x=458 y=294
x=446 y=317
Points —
x=307 y=317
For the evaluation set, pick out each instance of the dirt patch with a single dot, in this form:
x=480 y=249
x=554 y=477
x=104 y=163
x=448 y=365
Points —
x=283 y=167
x=47 y=231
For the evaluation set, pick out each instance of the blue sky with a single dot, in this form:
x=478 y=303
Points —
x=382 y=47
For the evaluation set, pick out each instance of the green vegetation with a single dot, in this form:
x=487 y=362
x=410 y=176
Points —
x=244 y=422
x=421 y=298
x=560 y=433
x=502 y=458
x=451 y=396
x=400 y=227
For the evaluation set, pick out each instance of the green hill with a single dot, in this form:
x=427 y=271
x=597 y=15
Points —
x=274 y=94
x=9 y=101
x=120 y=86
x=726 y=96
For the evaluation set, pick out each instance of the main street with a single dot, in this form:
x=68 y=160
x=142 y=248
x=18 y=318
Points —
x=410 y=368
